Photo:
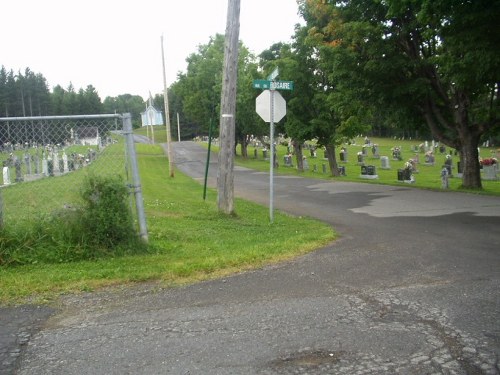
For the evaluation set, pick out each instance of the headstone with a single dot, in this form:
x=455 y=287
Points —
x=255 y=153
x=448 y=164
x=56 y=163
x=6 y=175
x=368 y=172
x=444 y=178
x=65 y=162
x=361 y=158
x=396 y=153
x=429 y=158
x=384 y=162
x=27 y=161
x=45 y=167
x=305 y=164
x=490 y=172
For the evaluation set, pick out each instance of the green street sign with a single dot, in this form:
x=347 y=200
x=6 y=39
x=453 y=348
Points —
x=281 y=85
x=261 y=84
x=272 y=85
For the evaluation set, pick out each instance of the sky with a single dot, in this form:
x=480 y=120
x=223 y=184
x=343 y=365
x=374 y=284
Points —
x=115 y=45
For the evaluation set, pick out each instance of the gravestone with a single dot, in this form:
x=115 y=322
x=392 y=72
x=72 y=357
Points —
x=65 y=162
x=305 y=164
x=45 y=167
x=384 y=162
x=27 y=161
x=55 y=158
x=444 y=178
x=368 y=172
x=429 y=159
x=6 y=174
x=361 y=158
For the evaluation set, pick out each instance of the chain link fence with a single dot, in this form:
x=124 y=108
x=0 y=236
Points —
x=44 y=161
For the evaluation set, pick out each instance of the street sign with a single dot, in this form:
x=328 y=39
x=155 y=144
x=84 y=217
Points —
x=261 y=84
x=272 y=85
x=273 y=75
x=263 y=106
x=281 y=85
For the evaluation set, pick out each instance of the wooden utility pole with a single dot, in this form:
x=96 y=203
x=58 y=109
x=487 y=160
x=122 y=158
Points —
x=170 y=154
x=225 y=174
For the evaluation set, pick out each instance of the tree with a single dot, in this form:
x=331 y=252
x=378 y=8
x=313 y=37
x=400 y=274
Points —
x=247 y=121
x=199 y=88
x=126 y=103
x=436 y=61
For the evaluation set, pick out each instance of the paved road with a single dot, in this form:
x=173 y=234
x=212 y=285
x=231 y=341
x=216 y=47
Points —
x=411 y=287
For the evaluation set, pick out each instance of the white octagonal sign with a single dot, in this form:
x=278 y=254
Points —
x=263 y=106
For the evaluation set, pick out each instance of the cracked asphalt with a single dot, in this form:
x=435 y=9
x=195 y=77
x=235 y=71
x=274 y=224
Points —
x=411 y=287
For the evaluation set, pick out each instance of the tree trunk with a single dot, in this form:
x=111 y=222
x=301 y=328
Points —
x=469 y=158
x=244 y=147
x=332 y=160
x=297 y=147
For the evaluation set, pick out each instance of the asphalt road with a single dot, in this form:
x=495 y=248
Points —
x=411 y=287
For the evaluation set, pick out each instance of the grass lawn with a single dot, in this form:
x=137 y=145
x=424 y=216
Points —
x=427 y=177
x=189 y=240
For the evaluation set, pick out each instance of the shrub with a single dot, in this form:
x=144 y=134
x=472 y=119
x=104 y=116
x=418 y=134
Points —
x=102 y=226
x=106 y=220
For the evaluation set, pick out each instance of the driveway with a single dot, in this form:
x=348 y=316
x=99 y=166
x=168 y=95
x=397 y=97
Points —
x=411 y=287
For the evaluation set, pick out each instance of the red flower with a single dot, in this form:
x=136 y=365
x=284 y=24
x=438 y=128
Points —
x=488 y=161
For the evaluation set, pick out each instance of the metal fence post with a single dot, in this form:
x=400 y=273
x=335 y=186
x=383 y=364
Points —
x=129 y=136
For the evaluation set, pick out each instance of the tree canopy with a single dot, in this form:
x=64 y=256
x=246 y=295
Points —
x=430 y=61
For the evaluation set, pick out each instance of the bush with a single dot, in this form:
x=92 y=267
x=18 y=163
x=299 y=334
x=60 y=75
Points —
x=106 y=220
x=102 y=226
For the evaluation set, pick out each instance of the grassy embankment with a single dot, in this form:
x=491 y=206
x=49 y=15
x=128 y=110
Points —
x=189 y=241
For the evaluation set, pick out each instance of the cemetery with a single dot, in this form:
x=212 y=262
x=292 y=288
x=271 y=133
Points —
x=45 y=161
x=417 y=163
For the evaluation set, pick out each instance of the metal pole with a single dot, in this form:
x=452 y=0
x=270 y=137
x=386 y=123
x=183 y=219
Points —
x=167 y=115
x=208 y=159
x=178 y=128
x=271 y=165
x=129 y=136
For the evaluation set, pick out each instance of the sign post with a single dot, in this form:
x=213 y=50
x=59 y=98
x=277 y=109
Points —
x=271 y=107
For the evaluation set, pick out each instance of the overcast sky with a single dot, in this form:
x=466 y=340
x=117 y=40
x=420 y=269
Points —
x=116 y=45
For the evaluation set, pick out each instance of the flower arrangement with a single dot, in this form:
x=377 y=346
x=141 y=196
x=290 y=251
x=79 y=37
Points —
x=488 y=161
x=409 y=165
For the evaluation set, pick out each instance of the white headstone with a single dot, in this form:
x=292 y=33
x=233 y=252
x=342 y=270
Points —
x=56 y=163
x=384 y=162
x=6 y=176
x=65 y=162
x=45 y=167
